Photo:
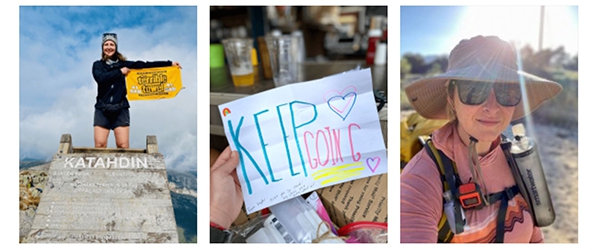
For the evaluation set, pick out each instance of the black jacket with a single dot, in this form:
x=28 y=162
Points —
x=111 y=87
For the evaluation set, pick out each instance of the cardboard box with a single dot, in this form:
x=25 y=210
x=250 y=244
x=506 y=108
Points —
x=358 y=200
x=243 y=217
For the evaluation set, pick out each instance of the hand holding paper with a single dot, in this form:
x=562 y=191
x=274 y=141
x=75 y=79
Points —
x=305 y=136
x=225 y=197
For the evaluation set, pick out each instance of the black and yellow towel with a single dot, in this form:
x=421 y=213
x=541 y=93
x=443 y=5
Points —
x=153 y=83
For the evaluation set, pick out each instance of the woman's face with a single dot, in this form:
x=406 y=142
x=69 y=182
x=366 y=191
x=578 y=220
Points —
x=485 y=121
x=109 y=48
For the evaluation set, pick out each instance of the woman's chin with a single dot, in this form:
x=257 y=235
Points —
x=486 y=137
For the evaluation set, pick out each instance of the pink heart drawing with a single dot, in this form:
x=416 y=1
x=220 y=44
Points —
x=341 y=103
x=373 y=161
x=334 y=92
x=346 y=102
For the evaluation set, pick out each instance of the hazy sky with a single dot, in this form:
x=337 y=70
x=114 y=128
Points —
x=432 y=30
x=57 y=47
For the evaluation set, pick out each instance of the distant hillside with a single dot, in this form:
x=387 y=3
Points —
x=29 y=163
x=185 y=214
x=186 y=179
x=184 y=201
x=431 y=58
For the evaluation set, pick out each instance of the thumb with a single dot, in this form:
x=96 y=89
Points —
x=231 y=163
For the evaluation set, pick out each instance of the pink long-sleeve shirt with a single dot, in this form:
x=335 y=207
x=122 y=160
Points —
x=421 y=191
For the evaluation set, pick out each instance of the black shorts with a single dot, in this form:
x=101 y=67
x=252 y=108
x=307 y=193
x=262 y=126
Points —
x=111 y=120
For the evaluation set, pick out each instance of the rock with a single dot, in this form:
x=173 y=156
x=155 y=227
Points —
x=25 y=222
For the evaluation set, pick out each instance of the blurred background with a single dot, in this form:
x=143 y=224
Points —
x=329 y=32
x=546 y=39
x=332 y=40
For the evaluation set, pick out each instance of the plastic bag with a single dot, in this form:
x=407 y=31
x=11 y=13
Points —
x=365 y=232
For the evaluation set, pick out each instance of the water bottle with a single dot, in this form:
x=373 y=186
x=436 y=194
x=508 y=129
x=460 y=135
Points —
x=381 y=53
x=530 y=177
x=302 y=53
x=374 y=37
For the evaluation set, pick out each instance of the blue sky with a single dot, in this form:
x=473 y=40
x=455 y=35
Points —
x=57 y=47
x=433 y=30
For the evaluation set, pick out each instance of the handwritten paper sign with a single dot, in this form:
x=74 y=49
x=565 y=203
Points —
x=305 y=136
x=153 y=83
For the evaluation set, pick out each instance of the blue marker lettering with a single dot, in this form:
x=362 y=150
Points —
x=240 y=149
x=292 y=173
x=269 y=166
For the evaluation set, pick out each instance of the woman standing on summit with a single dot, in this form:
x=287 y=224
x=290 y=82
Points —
x=112 y=106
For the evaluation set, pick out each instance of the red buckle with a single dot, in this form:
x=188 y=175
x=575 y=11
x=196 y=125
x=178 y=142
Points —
x=469 y=195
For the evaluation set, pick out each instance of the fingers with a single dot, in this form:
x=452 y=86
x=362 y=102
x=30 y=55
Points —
x=176 y=64
x=235 y=177
x=231 y=164
x=223 y=158
x=228 y=159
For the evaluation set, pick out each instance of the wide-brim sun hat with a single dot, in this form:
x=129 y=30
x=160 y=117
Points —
x=480 y=58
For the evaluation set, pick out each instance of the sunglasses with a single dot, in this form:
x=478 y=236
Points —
x=476 y=92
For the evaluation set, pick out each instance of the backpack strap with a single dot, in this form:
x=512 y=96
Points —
x=449 y=177
x=504 y=196
x=451 y=181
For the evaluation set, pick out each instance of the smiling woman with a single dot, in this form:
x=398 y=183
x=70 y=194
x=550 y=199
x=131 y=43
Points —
x=461 y=189
x=112 y=106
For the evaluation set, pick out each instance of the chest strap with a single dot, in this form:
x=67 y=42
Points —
x=450 y=182
x=504 y=196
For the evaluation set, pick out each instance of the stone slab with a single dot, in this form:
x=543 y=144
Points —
x=105 y=197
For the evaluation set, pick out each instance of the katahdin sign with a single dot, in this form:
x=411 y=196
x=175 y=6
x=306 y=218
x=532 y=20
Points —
x=105 y=196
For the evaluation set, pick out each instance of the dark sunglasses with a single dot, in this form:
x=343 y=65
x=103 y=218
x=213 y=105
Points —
x=476 y=92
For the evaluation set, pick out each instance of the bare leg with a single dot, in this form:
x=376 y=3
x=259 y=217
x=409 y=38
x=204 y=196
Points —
x=122 y=136
x=100 y=136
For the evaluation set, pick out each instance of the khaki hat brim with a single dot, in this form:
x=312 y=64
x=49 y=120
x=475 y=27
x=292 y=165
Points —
x=428 y=96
